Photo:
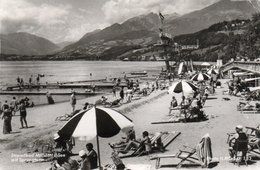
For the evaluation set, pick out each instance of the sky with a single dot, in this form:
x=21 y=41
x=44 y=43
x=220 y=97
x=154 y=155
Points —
x=69 y=20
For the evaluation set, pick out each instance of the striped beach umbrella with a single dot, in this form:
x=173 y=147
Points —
x=182 y=87
x=200 y=77
x=212 y=71
x=96 y=122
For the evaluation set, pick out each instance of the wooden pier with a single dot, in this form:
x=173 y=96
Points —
x=86 y=84
x=65 y=86
x=44 y=93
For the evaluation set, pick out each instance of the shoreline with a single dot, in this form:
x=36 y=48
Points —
x=223 y=117
x=15 y=143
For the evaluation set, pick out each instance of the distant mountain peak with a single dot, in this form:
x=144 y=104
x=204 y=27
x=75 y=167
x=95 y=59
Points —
x=23 y=43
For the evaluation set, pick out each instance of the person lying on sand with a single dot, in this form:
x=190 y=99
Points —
x=102 y=101
x=248 y=106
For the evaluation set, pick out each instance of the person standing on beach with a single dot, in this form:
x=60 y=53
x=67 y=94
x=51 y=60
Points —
x=73 y=101
x=114 y=91
x=21 y=82
x=13 y=105
x=49 y=98
x=23 y=114
x=122 y=94
x=7 y=117
x=30 y=80
x=18 y=80
x=38 y=79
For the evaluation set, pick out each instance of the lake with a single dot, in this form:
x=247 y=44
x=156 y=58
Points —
x=63 y=71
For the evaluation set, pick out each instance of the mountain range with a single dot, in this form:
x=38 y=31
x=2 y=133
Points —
x=23 y=43
x=136 y=32
x=144 y=29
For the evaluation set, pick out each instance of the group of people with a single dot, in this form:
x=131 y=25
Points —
x=237 y=85
x=87 y=161
x=8 y=110
x=190 y=106
x=130 y=141
x=20 y=81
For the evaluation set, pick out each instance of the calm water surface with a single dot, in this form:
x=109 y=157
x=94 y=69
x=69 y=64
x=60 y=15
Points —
x=63 y=71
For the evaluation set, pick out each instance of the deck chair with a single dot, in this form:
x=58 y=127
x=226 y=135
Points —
x=253 y=111
x=253 y=142
x=159 y=142
x=201 y=155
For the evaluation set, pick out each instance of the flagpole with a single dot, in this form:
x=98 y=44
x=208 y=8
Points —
x=99 y=161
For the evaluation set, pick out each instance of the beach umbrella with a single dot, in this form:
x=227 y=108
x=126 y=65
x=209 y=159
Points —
x=182 y=87
x=211 y=71
x=205 y=64
x=200 y=77
x=96 y=122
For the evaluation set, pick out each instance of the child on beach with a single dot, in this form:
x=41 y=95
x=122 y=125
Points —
x=73 y=101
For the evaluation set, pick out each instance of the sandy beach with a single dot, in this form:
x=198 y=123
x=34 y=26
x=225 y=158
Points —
x=223 y=117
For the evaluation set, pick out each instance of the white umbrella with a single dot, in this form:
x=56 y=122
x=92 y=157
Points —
x=200 y=77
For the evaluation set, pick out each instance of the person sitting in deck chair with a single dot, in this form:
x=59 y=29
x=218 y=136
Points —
x=130 y=136
x=135 y=144
x=173 y=104
x=246 y=106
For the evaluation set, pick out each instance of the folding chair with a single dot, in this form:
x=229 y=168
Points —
x=201 y=155
x=159 y=141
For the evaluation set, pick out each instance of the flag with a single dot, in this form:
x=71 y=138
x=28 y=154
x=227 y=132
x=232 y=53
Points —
x=161 y=17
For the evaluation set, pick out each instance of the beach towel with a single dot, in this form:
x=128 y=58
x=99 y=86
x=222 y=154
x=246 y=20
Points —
x=204 y=151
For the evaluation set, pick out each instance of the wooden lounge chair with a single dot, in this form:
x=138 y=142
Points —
x=159 y=142
x=254 y=111
x=201 y=155
x=253 y=142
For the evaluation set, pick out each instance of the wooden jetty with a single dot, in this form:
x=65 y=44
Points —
x=44 y=93
x=87 y=84
x=59 y=86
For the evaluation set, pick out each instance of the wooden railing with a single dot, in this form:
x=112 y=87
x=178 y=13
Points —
x=251 y=66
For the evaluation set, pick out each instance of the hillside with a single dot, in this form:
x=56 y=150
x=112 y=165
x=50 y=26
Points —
x=134 y=38
x=234 y=39
x=143 y=30
x=224 y=10
x=26 y=44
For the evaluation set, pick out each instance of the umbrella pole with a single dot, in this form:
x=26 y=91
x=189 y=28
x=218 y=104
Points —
x=99 y=161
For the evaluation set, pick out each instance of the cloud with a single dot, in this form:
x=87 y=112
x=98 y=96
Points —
x=56 y=22
x=120 y=10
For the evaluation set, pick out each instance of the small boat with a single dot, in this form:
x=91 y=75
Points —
x=139 y=73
